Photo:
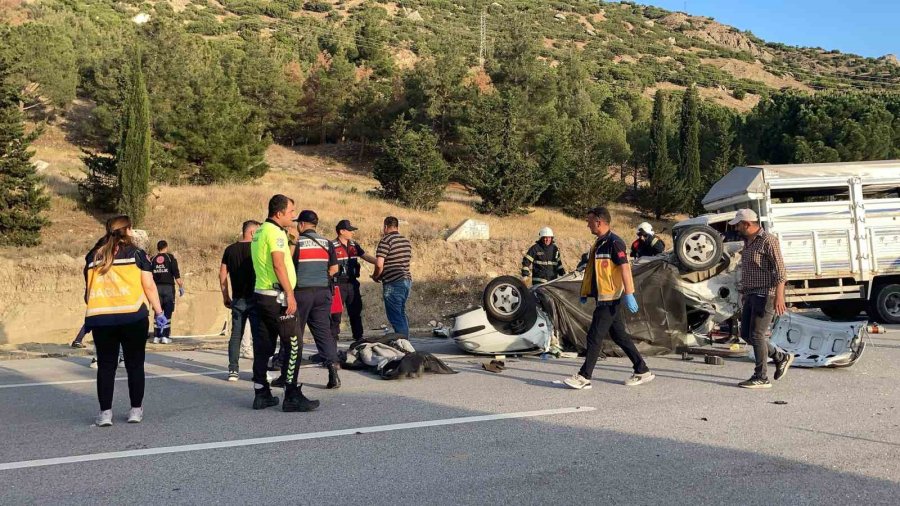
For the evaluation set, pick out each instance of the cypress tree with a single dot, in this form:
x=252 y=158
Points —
x=666 y=192
x=22 y=197
x=689 y=147
x=134 y=153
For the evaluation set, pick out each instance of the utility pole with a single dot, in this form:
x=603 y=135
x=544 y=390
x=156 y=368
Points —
x=483 y=29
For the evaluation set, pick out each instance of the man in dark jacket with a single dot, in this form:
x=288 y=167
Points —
x=166 y=275
x=542 y=262
x=646 y=244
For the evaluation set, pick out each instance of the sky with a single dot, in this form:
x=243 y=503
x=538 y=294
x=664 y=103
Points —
x=863 y=27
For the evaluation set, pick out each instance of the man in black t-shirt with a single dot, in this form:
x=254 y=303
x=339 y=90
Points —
x=237 y=265
x=166 y=275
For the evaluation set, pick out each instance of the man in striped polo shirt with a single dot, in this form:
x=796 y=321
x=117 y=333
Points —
x=392 y=259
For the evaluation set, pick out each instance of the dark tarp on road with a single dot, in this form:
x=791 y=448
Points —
x=657 y=328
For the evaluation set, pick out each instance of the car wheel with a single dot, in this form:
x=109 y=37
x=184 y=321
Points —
x=886 y=304
x=507 y=299
x=699 y=247
x=847 y=310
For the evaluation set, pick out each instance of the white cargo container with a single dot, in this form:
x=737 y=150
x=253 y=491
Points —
x=838 y=225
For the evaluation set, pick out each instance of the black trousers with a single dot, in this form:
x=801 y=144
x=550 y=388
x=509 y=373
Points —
x=167 y=301
x=607 y=320
x=352 y=300
x=132 y=338
x=274 y=324
x=756 y=316
x=314 y=310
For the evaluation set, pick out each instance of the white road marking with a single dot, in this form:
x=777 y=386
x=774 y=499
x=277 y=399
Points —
x=123 y=378
x=286 y=438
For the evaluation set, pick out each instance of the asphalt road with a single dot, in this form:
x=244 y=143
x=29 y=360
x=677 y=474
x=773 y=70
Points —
x=689 y=437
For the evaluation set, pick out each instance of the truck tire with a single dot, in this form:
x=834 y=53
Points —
x=886 y=304
x=507 y=299
x=699 y=248
x=841 y=311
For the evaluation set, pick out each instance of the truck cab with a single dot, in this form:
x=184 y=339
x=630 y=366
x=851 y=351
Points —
x=838 y=225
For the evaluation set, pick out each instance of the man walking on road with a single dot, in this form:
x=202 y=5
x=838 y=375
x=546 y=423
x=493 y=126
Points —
x=607 y=278
x=762 y=293
x=348 y=254
x=274 y=301
x=392 y=260
x=166 y=275
x=542 y=262
x=237 y=265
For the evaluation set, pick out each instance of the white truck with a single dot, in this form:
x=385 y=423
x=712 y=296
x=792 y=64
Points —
x=838 y=225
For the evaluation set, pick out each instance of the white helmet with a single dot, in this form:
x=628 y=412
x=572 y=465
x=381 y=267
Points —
x=646 y=227
x=545 y=232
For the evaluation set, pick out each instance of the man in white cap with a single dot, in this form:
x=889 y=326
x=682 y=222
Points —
x=646 y=244
x=762 y=289
x=542 y=262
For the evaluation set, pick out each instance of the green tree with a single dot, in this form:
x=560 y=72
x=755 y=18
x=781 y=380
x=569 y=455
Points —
x=22 y=198
x=689 y=147
x=497 y=163
x=665 y=193
x=134 y=154
x=326 y=92
x=598 y=142
x=411 y=169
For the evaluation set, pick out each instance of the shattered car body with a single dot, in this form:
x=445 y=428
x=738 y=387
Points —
x=819 y=343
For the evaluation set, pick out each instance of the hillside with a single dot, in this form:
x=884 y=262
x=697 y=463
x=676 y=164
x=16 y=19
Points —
x=637 y=46
x=40 y=292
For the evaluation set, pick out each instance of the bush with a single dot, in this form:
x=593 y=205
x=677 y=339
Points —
x=99 y=190
x=317 y=6
x=411 y=169
x=739 y=94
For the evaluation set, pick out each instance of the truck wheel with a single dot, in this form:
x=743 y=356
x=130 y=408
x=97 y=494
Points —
x=847 y=310
x=507 y=299
x=699 y=247
x=886 y=304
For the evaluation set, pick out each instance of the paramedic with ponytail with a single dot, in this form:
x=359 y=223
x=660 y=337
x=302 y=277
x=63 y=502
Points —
x=118 y=286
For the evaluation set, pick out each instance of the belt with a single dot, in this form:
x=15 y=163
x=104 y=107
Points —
x=271 y=293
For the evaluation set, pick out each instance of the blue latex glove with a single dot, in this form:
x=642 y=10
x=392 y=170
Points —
x=161 y=321
x=631 y=302
x=583 y=300
x=181 y=291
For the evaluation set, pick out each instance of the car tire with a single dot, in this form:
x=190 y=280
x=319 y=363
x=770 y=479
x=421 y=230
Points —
x=886 y=304
x=699 y=248
x=507 y=299
x=841 y=311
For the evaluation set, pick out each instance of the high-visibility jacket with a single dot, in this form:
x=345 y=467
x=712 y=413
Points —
x=542 y=263
x=116 y=297
x=648 y=247
x=603 y=273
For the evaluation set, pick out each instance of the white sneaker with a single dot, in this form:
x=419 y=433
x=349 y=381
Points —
x=93 y=363
x=104 y=419
x=578 y=382
x=166 y=340
x=155 y=340
x=639 y=379
x=135 y=415
x=233 y=376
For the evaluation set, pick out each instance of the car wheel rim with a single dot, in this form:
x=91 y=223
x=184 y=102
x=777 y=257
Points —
x=699 y=248
x=505 y=299
x=892 y=304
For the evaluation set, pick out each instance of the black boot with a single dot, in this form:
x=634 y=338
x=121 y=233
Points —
x=278 y=382
x=334 y=381
x=264 y=399
x=294 y=400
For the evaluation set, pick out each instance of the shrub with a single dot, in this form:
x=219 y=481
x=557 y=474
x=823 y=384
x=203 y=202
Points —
x=411 y=169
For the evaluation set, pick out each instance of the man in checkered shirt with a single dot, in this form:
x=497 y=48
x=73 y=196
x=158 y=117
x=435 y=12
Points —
x=762 y=288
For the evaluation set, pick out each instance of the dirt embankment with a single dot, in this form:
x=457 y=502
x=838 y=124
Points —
x=41 y=288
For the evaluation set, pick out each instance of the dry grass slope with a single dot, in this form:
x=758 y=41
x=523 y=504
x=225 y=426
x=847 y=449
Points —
x=40 y=291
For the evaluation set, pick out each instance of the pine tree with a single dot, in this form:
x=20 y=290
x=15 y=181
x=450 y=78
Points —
x=689 y=147
x=22 y=197
x=134 y=153
x=666 y=192
x=411 y=169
